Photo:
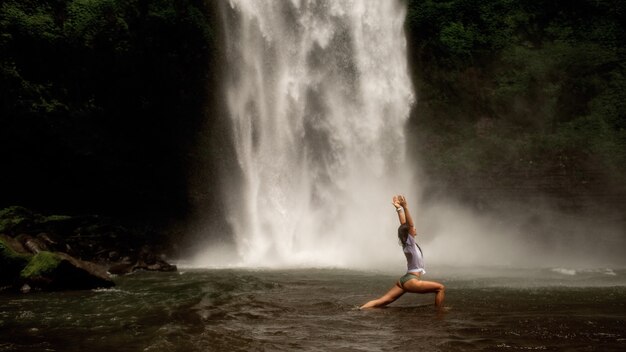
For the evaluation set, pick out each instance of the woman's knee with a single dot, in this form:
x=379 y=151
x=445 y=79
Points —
x=441 y=288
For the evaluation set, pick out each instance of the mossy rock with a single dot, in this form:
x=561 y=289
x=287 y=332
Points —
x=60 y=271
x=42 y=264
x=11 y=261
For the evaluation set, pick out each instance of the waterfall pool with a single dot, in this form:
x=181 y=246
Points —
x=316 y=310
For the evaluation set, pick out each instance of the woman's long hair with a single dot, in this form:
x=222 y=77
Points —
x=403 y=234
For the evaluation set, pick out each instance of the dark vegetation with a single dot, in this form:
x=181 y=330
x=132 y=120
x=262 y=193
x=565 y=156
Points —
x=521 y=98
x=100 y=104
x=109 y=106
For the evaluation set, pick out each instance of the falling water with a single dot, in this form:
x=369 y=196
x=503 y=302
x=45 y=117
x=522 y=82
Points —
x=318 y=93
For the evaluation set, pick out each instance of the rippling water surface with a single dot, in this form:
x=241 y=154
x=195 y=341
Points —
x=315 y=310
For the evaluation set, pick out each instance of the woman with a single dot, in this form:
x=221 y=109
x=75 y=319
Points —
x=411 y=281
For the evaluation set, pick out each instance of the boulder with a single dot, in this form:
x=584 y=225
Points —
x=122 y=268
x=150 y=261
x=60 y=271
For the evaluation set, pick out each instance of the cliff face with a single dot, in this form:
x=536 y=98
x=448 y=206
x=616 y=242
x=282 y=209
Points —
x=520 y=100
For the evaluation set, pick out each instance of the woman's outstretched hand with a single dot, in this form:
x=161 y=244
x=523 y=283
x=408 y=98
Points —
x=401 y=201
x=396 y=202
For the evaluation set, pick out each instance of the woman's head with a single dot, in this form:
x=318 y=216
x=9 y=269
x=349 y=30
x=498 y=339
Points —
x=403 y=233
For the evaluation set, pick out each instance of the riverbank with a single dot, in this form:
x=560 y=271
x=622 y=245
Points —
x=97 y=244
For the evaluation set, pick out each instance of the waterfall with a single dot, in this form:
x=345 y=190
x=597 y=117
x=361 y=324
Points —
x=318 y=93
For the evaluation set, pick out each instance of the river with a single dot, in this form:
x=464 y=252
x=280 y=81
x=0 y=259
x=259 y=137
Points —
x=317 y=310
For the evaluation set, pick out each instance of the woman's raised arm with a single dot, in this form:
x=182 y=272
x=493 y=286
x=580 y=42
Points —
x=399 y=209
x=402 y=201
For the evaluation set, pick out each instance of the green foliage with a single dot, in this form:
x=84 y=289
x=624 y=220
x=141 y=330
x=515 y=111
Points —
x=41 y=264
x=91 y=20
x=13 y=216
x=457 y=39
x=104 y=97
x=530 y=88
x=28 y=20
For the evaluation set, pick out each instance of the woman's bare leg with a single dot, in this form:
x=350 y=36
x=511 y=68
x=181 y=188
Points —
x=418 y=286
x=393 y=294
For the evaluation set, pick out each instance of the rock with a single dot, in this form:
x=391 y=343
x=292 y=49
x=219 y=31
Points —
x=122 y=268
x=127 y=267
x=60 y=271
x=159 y=265
x=13 y=258
x=148 y=260
x=162 y=266
x=32 y=244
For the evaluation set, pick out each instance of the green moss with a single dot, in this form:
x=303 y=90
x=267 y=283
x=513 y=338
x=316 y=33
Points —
x=42 y=263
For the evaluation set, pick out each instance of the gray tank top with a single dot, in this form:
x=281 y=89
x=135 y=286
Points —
x=414 y=257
